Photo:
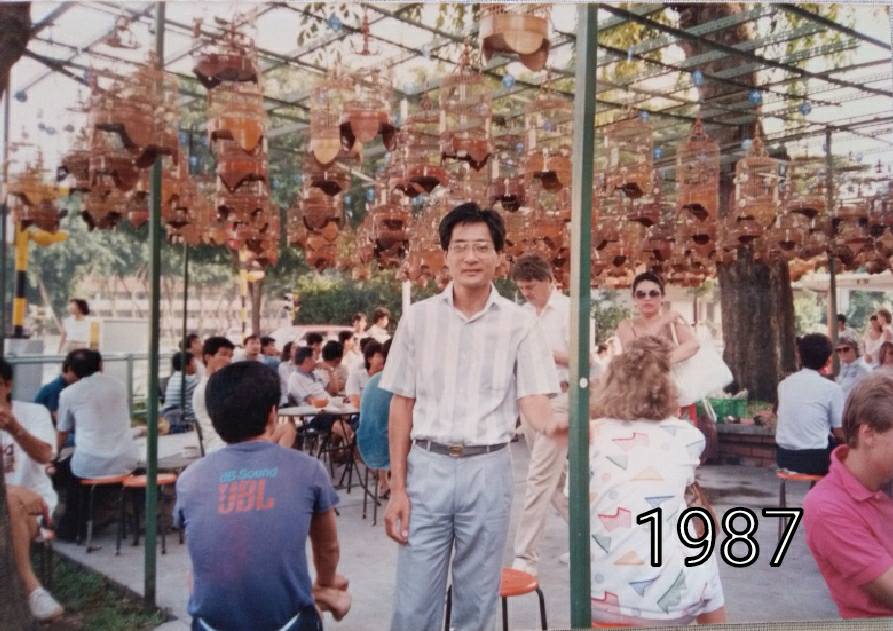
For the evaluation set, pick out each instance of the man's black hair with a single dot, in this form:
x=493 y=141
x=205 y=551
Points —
x=239 y=398
x=5 y=370
x=313 y=338
x=303 y=353
x=343 y=336
x=248 y=338
x=372 y=347
x=285 y=355
x=472 y=213
x=332 y=350
x=815 y=349
x=189 y=340
x=266 y=340
x=213 y=344
x=176 y=366
x=365 y=341
x=84 y=362
x=841 y=319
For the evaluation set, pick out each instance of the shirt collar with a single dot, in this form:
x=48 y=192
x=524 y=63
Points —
x=492 y=300
x=853 y=487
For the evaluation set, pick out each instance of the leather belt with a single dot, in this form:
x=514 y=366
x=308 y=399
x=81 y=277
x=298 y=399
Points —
x=457 y=450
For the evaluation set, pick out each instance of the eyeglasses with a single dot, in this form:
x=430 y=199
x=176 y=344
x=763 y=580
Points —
x=478 y=247
x=641 y=295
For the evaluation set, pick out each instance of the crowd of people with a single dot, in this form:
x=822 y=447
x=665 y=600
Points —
x=439 y=405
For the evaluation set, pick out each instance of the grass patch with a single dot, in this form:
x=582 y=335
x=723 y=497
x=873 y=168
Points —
x=93 y=602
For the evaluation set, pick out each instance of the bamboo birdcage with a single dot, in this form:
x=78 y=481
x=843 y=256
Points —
x=32 y=195
x=74 y=167
x=327 y=100
x=236 y=113
x=367 y=111
x=520 y=29
x=508 y=187
x=416 y=168
x=805 y=188
x=465 y=115
x=549 y=139
x=629 y=148
x=230 y=55
x=697 y=175
x=390 y=228
x=757 y=179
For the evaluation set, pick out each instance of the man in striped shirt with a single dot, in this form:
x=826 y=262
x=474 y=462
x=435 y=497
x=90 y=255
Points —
x=463 y=363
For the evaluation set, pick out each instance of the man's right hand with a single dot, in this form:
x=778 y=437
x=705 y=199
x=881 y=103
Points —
x=396 y=517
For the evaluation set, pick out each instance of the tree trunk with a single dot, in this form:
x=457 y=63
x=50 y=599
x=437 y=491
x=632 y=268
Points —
x=14 y=612
x=15 y=31
x=255 y=293
x=757 y=300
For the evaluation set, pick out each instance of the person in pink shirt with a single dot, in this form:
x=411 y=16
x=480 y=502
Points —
x=848 y=516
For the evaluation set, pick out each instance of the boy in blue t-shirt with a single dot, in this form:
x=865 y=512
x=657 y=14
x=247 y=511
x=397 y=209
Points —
x=248 y=510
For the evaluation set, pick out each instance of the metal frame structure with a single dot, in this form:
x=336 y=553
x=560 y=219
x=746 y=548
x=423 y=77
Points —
x=726 y=109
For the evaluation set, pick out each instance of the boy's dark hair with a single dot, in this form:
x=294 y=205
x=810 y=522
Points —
x=815 y=349
x=652 y=278
x=5 y=370
x=65 y=366
x=303 y=353
x=239 y=399
x=285 y=355
x=176 y=359
x=531 y=267
x=313 y=338
x=343 y=336
x=213 y=344
x=364 y=343
x=248 y=338
x=266 y=340
x=386 y=347
x=379 y=313
x=332 y=350
x=841 y=319
x=189 y=340
x=84 y=362
x=372 y=347
x=83 y=307
x=472 y=213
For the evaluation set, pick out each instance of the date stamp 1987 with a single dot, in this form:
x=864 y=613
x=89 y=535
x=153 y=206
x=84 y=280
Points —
x=731 y=525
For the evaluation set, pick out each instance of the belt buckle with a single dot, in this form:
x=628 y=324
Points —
x=455 y=450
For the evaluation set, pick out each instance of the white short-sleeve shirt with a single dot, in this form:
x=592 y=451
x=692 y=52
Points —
x=809 y=407
x=76 y=330
x=20 y=469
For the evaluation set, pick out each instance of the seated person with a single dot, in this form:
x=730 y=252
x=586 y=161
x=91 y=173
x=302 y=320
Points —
x=373 y=355
x=640 y=453
x=304 y=385
x=372 y=433
x=286 y=368
x=180 y=420
x=809 y=408
x=268 y=501
x=250 y=351
x=331 y=369
x=27 y=440
x=847 y=516
x=852 y=368
x=313 y=340
x=217 y=352
x=268 y=351
x=48 y=395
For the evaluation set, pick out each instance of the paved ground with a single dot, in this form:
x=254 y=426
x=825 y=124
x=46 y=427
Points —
x=758 y=593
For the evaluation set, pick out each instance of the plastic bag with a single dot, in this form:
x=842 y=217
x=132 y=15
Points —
x=702 y=373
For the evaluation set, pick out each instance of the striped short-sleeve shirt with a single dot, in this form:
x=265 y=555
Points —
x=467 y=374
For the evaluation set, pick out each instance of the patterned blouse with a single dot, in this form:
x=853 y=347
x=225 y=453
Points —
x=636 y=466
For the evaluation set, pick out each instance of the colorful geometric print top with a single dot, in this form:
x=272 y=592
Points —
x=636 y=466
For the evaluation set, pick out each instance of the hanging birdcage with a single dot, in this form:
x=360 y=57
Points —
x=333 y=178
x=111 y=164
x=465 y=115
x=697 y=175
x=390 y=228
x=508 y=188
x=628 y=148
x=805 y=187
x=74 y=167
x=757 y=179
x=520 y=29
x=415 y=168
x=327 y=101
x=367 y=111
x=230 y=55
x=549 y=135
x=236 y=113
x=425 y=260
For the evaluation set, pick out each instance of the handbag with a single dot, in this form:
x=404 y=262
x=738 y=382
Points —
x=702 y=373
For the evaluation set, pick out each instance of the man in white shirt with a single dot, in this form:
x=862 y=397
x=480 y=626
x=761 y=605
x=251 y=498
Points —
x=250 y=350
x=331 y=369
x=27 y=440
x=304 y=385
x=810 y=409
x=548 y=456
x=463 y=364
x=217 y=352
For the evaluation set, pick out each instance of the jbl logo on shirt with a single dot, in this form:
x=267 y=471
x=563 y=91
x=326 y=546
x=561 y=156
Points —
x=242 y=496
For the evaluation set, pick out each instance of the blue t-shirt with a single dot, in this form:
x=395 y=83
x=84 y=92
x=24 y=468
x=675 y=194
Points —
x=372 y=435
x=247 y=511
x=48 y=395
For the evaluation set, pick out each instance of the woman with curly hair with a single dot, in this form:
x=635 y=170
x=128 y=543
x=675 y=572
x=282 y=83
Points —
x=640 y=458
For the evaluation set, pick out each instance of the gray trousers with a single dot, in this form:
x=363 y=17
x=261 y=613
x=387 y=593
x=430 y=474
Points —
x=460 y=506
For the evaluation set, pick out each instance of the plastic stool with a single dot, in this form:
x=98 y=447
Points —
x=112 y=480
x=139 y=482
x=784 y=476
x=512 y=583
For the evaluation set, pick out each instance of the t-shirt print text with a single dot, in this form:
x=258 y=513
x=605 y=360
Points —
x=244 y=490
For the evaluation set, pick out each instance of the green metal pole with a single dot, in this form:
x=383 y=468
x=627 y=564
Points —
x=184 y=350
x=154 y=331
x=581 y=221
x=832 y=273
x=4 y=210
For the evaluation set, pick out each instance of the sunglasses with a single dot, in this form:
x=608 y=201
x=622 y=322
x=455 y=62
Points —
x=641 y=295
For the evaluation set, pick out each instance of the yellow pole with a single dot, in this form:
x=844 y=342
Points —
x=21 y=281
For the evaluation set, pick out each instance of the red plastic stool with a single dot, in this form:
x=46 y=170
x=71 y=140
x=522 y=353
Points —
x=784 y=476
x=139 y=482
x=512 y=583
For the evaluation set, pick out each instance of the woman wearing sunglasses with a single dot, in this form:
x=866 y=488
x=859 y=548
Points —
x=651 y=318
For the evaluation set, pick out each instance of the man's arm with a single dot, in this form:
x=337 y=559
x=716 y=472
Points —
x=38 y=450
x=396 y=517
x=324 y=541
x=881 y=588
x=537 y=412
x=561 y=359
